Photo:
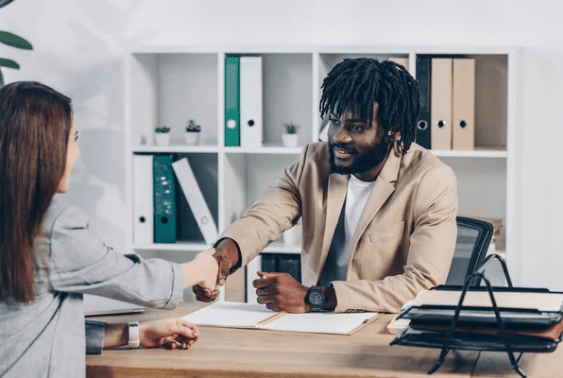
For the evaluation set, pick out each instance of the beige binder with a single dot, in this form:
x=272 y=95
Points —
x=404 y=61
x=463 y=112
x=441 y=105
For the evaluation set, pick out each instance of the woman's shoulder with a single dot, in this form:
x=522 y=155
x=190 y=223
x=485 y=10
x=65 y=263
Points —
x=60 y=211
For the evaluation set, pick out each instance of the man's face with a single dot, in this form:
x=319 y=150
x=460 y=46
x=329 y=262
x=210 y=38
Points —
x=356 y=146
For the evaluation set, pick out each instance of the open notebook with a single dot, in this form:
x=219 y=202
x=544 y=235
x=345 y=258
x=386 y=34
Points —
x=255 y=316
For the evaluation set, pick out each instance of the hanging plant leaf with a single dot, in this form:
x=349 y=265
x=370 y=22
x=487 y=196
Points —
x=1 y=79
x=9 y=63
x=14 y=41
x=3 y=3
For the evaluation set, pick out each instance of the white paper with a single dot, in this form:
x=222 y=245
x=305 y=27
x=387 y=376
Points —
x=525 y=300
x=230 y=314
x=319 y=322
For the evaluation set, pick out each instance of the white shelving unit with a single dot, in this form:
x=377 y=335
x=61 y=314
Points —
x=168 y=85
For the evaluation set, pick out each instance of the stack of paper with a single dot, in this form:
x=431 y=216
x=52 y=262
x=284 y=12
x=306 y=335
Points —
x=532 y=319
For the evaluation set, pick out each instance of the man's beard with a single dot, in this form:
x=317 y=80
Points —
x=362 y=163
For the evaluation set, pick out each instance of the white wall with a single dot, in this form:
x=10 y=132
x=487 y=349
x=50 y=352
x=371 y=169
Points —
x=79 y=45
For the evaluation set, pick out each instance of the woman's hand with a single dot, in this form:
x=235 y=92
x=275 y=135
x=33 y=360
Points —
x=173 y=333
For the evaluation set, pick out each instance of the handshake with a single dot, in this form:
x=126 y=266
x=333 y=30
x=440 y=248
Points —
x=226 y=256
x=278 y=291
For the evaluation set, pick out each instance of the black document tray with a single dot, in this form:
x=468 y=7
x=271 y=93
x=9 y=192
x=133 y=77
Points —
x=513 y=318
x=453 y=316
x=471 y=341
x=482 y=317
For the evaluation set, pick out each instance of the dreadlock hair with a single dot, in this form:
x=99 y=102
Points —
x=362 y=82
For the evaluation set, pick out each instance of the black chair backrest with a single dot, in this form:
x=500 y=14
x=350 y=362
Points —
x=473 y=239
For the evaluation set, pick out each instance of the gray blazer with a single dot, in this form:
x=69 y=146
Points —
x=46 y=338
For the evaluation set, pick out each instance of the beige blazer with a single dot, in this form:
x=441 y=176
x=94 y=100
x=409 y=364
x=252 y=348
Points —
x=404 y=240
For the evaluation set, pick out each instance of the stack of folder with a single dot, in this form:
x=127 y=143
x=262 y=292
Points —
x=503 y=319
x=447 y=94
x=243 y=101
x=155 y=180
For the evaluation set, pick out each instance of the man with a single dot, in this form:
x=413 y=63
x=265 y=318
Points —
x=378 y=211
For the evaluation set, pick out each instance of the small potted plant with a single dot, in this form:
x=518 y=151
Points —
x=192 y=133
x=291 y=137
x=162 y=135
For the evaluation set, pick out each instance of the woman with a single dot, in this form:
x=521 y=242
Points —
x=48 y=256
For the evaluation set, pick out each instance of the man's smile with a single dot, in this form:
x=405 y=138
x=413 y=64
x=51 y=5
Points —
x=342 y=153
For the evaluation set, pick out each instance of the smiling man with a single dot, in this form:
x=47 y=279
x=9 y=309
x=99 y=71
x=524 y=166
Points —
x=378 y=211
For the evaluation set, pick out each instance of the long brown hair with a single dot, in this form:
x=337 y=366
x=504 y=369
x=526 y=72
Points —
x=35 y=123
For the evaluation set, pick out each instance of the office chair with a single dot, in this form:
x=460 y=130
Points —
x=473 y=239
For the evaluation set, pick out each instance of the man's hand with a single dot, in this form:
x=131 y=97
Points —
x=280 y=291
x=226 y=256
x=170 y=332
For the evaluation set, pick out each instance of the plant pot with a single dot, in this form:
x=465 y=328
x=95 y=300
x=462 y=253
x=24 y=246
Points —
x=290 y=140
x=162 y=139
x=192 y=137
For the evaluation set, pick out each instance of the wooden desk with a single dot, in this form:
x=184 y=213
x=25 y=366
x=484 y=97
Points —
x=225 y=352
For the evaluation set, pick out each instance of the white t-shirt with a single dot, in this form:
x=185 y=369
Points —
x=336 y=265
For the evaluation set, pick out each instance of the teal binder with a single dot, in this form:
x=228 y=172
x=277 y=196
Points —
x=232 y=101
x=164 y=200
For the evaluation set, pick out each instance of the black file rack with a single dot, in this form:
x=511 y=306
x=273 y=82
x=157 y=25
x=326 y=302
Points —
x=452 y=340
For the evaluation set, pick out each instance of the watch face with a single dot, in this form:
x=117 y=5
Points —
x=315 y=298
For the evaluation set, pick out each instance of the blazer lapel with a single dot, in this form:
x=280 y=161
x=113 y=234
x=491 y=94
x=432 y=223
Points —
x=384 y=186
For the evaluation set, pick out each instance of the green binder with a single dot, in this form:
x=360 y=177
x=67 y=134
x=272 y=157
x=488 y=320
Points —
x=232 y=101
x=164 y=200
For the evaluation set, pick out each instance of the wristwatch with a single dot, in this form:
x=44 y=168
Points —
x=315 y=298
x=134 y=334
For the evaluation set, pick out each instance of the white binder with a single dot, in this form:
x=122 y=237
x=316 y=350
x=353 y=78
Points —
x=195 y=199
x=143 y=211
x=251 y=122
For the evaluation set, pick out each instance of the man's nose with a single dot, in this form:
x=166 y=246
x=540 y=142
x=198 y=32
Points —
x=341 y=135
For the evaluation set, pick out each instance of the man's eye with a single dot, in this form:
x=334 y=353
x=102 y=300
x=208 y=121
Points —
x=356 y=129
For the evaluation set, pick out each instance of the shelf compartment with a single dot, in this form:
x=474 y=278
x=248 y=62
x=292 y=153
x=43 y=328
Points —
x=170 y=89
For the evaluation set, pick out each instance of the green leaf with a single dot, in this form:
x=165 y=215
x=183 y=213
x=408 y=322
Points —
x=1 y=79
x=9 y=63
x=14 y=41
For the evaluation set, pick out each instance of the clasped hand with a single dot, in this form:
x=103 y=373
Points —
x=225 y=256
x=281 y=292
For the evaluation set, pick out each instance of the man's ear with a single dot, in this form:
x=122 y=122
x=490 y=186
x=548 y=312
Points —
x=398 y=143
